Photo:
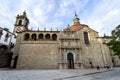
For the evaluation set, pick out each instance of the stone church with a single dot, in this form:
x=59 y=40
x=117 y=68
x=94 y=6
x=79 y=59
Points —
x=77 y=46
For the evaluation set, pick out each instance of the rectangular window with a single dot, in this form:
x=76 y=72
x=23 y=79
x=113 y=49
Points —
x=86 y=39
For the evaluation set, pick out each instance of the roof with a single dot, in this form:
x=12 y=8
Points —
x=77 y=26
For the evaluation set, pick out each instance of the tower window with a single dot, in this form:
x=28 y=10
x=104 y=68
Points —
x=54 y=37
x=20 y=22
x=86 y=39
x=47 y=36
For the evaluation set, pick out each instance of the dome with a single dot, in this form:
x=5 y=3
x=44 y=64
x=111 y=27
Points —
x=77 y=26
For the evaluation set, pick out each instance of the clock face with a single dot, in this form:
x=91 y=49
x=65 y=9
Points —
x=18 y=29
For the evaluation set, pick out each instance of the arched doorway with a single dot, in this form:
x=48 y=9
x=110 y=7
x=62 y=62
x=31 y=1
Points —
x=70 y=59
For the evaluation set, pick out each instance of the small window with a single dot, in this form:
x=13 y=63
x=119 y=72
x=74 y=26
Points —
x=86 y=39
x=20 y=22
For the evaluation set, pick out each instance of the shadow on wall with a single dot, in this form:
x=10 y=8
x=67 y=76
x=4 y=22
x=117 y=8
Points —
x=5 y=56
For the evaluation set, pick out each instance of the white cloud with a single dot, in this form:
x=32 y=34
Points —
x=99 y=22
x=102 y=16
x=67 y=8
x=46 y=13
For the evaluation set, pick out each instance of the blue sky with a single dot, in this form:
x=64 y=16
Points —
x=100 y=15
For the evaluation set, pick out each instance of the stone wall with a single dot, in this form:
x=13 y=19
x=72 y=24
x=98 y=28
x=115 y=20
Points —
x=96 y=52
x=38 y=56
x=17 y=44
x=49 y=54
x=5 y=59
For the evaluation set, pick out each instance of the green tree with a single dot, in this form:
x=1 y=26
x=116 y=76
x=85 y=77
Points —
x=6 y=29
x=114 y=44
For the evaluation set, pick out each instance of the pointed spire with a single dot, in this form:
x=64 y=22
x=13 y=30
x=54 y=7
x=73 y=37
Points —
x=38 y=28
x=51 y=28
x=76 y=19
x=44 y=29
x=75 y=15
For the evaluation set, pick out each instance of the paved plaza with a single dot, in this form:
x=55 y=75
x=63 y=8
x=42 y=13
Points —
x=13 y=74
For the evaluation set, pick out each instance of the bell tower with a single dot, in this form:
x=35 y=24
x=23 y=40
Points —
x=21 y=23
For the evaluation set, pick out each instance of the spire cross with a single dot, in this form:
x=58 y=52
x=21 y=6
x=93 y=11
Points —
x=75 y=14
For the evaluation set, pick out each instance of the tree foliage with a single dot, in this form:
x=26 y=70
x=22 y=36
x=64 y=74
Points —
x=6 y=29
x=114 y=44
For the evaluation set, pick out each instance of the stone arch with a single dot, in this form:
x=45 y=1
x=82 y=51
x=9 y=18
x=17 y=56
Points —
x=20 y=22
x=41 y=36
x=27 y=36
x=54 y=37
x=47 y=36
x=34 y=37
x=70 y=55
x=70 y=59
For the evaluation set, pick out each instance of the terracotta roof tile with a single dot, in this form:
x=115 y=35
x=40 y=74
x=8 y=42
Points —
x=76 y=27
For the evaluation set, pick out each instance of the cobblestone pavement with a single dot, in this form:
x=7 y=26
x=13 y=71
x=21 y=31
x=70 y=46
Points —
x=44 y=74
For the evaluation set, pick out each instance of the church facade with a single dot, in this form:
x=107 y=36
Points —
x=77 y=46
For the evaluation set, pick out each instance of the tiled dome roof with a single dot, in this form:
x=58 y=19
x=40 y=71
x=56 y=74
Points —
x=77 y=26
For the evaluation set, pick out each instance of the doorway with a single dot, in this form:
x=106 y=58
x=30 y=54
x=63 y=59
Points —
x=70 y=59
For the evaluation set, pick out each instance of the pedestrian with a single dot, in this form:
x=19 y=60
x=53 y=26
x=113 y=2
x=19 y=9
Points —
x=107 y=67
x=98 y=68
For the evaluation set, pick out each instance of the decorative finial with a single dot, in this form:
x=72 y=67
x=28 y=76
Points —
x=68 y=25
x=104 y=34
x=44 y=29
x=38 y=28
x=24 y=13
x=18 y=15
x=51 y=28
